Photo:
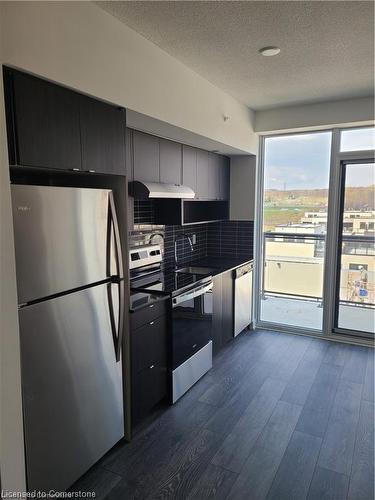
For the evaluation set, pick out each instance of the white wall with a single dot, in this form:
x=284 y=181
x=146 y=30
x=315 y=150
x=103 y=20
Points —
x=83 y=47
x=322 y=115
x=12 y=467
x=242 y=187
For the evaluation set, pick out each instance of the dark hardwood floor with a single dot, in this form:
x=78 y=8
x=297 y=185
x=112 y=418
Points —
x=278 y=417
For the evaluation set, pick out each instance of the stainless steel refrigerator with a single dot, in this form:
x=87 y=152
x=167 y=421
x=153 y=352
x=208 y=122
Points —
x=71 y=314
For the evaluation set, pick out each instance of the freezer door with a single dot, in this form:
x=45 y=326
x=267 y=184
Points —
x=72 y=386
x=64 y=239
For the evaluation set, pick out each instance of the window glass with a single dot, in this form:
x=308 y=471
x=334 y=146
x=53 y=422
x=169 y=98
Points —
x=360 y=139
x=356 y=302
x=296 y=178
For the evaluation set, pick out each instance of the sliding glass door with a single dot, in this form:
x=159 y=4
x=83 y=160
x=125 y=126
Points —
x=295 y=201
x=315 y=255
x=355 y=301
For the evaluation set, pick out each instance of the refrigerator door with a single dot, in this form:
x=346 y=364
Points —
x=64 y=239
x=72 y=385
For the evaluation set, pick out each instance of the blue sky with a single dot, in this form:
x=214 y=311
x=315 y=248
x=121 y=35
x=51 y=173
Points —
x=302 y=161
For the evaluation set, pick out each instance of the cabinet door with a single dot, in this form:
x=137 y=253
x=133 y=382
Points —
x=46 y=120
x=228 y=307
x=214 y=176
x=129 y=153
x=102 y=136
x=148 y=388
x=146 y=157
x=149 y=343
x=202 y=175
x=189 y=167
x=217 y=316
x=224 y=178
x=170 y=162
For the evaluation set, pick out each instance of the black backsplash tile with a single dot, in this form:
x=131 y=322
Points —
x=230 y=239
x=144 y=212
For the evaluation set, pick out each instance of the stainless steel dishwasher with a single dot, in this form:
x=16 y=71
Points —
x=243 y=286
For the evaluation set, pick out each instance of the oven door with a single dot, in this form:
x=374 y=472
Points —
x=192 y=323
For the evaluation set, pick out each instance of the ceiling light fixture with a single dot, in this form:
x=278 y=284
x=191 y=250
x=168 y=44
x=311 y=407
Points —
x=269 y=51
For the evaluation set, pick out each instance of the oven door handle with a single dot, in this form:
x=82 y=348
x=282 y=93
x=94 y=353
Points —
x=192 y=294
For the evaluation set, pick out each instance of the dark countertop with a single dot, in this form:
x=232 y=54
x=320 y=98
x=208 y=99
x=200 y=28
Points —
x=171 y=282
x=223 y=264
x=139 y=300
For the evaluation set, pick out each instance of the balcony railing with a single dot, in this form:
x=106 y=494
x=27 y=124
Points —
x=294 y=267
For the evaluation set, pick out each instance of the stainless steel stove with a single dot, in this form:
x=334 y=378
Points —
x=191 y=311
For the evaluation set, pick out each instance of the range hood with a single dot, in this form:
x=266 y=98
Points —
x=146 y=190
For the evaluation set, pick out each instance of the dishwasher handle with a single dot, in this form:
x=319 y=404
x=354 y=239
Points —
x=241 y=271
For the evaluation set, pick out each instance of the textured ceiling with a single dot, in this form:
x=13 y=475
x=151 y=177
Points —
x=327 y=47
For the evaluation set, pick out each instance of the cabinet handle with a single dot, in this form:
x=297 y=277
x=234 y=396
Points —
x=91 y=171
x=151 y=367
x=151 y=323
x=194 y=346
x=75 y=169
x=151 y=306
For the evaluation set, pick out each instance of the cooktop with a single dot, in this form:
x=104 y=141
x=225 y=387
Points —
x=172 y=283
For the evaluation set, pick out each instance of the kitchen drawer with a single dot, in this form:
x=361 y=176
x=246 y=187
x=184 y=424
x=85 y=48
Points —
x=189 y=335
x=149 y=344
x=147 y=314
x=148 y=388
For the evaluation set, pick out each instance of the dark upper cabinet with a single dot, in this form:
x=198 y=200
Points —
x=129 y=154
x=50 y=126
x=170 y=162
x=45 y=122
x=146 y=157
x=224 y=178
x=189 y=167
x=102 y=137
x=214 y=166
x=202 y=192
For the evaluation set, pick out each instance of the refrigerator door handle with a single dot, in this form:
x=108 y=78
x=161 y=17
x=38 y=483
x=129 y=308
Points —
x=113 y=225
x=120 y=319
x=117 y=334
x=119 y=278
x=112 y=317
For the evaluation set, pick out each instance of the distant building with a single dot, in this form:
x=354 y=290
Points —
x=294 y=263
x=355 y=221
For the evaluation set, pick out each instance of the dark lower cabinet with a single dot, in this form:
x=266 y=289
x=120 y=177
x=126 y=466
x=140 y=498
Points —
x=43 y=122
x=217 y=313
x=149 y=374
x=102 y=137
x=228 y=307
x=148 y=388
x=149 y=343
